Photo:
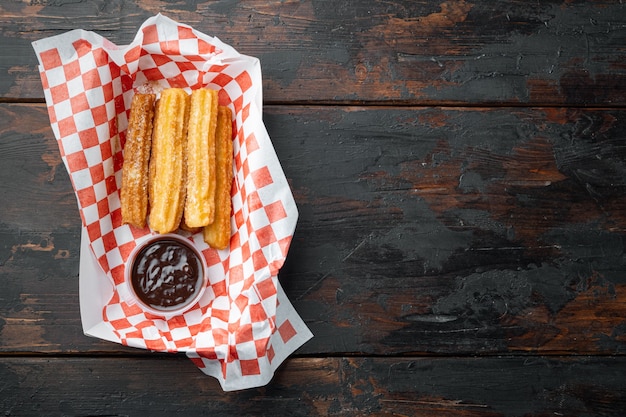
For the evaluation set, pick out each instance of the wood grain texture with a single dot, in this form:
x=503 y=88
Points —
x=410 y=52
x=421 y=230
x=460 y=173
x=457 y=222
x=465 y=387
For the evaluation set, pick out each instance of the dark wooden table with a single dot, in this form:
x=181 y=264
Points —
x=460 y=171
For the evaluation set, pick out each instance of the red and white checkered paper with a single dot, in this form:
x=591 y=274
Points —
x=244 y=326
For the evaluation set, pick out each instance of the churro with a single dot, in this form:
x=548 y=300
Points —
x=134 y=192
x=200 y=199
x=217 y=234
x=167 y=170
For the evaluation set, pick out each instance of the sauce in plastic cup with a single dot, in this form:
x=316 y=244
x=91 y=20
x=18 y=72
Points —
x=166 y=274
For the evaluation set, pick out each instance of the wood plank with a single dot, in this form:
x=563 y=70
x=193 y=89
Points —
x=463 y=387
x=410 y=52
x=457 y=230
x=421 y=230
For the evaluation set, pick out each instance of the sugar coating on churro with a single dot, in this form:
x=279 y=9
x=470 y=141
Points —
x=134 y=191
x=200 y=199
x=167 y=170
x=217 y=234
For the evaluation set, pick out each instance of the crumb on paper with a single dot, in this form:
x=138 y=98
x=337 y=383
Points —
x=150 y=87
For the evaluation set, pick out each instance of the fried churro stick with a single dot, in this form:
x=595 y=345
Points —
x=217 y=234
x=200 y=200
x=134 y=192
x=167 y=162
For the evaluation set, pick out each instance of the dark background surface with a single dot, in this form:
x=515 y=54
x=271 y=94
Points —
x=459 y=170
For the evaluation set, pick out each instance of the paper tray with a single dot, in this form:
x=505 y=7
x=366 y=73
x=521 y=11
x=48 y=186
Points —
x=242 y=330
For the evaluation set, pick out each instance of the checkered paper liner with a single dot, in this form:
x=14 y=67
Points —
x=244 y=326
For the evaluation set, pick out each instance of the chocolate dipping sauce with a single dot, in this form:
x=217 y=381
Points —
x=166 y=274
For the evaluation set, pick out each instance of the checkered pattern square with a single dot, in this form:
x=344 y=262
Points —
x=234 y=332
